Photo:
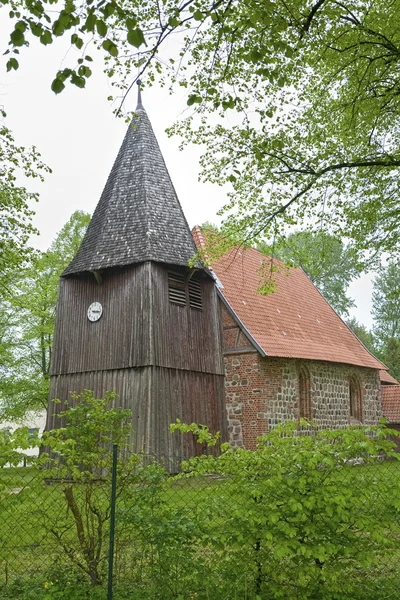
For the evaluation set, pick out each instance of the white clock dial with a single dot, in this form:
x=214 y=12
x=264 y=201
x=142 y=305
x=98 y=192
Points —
x=95 y=311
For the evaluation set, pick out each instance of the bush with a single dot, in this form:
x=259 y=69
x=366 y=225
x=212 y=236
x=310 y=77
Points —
x=296 y=518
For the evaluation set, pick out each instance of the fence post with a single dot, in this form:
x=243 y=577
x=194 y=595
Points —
x=112 y=521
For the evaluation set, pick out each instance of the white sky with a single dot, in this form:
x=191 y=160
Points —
x=79 y=138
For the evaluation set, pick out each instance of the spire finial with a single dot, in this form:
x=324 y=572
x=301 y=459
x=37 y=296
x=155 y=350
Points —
x=139 y=96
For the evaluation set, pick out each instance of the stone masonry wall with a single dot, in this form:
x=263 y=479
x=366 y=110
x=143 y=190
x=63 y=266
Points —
x=260 y=392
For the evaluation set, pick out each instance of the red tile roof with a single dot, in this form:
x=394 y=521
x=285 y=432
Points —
x=391 y=403
x=386 y=378
x=294 y=321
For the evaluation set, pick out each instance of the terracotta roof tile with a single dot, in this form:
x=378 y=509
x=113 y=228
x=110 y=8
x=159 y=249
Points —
x=386 y=378
x=295 y=321
x=391 y=403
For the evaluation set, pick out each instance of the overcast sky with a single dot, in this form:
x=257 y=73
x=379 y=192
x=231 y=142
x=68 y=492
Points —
x=79 y=137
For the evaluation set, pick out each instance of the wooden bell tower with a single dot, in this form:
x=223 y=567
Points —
x=132 y=315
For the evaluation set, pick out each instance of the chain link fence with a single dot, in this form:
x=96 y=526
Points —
x=137 y=532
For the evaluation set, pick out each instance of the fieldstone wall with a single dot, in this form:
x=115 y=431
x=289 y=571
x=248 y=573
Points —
x=260 y=392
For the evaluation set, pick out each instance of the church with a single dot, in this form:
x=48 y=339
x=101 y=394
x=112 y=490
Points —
x=175 y=339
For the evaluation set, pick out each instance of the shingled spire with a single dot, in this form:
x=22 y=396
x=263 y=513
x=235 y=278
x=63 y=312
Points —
x=139 y=217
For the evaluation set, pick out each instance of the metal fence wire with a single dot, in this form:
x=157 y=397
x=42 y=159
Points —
x=138 y=532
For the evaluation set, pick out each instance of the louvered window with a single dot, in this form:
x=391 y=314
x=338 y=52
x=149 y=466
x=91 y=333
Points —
x=176 y=288
x=195 y=299
x=180 y=291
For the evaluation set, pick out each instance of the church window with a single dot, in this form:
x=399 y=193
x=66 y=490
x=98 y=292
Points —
x=355 y=398
x=305 y=404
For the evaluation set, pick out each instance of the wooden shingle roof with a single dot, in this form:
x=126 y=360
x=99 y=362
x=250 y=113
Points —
x=138 y=217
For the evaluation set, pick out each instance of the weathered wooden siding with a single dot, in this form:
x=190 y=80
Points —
x=183 y=337
x=165 y=361
x=121 y=337
x=157 y=397
x=138 y=327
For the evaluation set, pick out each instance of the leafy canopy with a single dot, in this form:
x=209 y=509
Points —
x=27 y=322
x=15 y=202
x=310 y=88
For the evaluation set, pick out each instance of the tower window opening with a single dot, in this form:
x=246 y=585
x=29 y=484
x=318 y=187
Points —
x=195 y=297
x=183 y=292
x=176 y=288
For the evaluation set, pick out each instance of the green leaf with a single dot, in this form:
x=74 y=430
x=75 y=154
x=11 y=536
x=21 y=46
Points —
x=21 y=26
x=58 y=28
x=36 y=29
x=76 y=41
x=174 y=22
x=131 y=23
x=46 y=38
x=12 y=63
x=110 y=47
x=17 y=37
x=90 y=22
x=101 y=28
x=77 y=80
x=198 y=15
x=109 y=9
x=194 y=99
x=135 y=37
x=57 y=86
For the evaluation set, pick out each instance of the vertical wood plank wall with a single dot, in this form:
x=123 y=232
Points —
x=157 y=397
x=164 y=361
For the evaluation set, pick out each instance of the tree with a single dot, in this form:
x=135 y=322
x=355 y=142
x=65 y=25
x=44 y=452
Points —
x=391 y=356
x=84 y=444
x=28 y=323
x=363 y=334
x=312 y=86
x=327 y=262
x=15 y=202
x=386 y=311
x=386 y=303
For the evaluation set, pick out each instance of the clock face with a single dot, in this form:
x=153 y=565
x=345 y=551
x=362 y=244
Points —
x=95 y=311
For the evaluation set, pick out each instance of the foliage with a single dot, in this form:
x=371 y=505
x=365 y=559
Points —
x=327 y=262
x=310 y=88
x=363 y=334
x=80 y=458
x=386 y=303
x=27 y=322
x=300 y=520
x=15 y=202
x=297 y=518
x=391 y=356
x=385 y=310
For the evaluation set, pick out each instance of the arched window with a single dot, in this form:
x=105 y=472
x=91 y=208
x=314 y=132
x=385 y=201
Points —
x=355 y=398
x=305 y=404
